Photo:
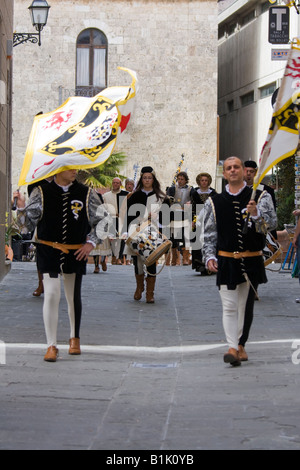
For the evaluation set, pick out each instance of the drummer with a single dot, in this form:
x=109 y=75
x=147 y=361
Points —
x=145 y=204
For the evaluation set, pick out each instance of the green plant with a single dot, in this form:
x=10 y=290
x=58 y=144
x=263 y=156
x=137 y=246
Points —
x=102 y=176
x=12 y=230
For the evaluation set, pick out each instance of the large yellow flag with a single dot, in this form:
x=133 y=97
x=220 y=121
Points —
x=81 y=134
x=283 y=136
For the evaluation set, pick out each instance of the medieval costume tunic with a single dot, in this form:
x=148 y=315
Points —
x=113 y=201
x=198 y=199
x=180 y=197
x=140 y=205
x=102 y=249
x=224 y=218
x=239 y=255
x=69 y=216
x=64 y=216
x=145 y=208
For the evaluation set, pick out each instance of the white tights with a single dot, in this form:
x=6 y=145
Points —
x=234 y=304
x=52 y=295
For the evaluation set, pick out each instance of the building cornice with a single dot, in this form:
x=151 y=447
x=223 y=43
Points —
x=232 y=10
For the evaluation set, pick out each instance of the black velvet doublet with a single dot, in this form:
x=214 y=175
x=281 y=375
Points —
x=231 y=213
x=64 y=220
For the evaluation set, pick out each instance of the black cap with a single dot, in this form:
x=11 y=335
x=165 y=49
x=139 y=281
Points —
x=250 y=164
x=147 y=169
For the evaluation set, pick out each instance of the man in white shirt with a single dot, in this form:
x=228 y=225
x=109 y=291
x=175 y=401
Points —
x=113 y=201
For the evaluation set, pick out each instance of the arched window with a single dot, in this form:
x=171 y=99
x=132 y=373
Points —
x=91 y=68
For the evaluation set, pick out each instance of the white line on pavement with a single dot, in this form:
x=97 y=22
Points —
x=141 y=349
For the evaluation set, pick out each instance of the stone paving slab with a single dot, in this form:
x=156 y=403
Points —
x=150 y=376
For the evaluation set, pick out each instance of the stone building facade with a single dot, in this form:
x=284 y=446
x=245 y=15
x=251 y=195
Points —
x=248 y=75
x=171 y=44
x=6 y=33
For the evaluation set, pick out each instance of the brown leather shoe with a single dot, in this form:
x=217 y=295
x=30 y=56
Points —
x=74 y=349
x=39 y=291
x=242 y=353
x=232 y=357
x=51 y=354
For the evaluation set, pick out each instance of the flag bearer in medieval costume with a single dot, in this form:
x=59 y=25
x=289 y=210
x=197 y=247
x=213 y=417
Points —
x=66 y=215
x=233 y=253
x=145 y=204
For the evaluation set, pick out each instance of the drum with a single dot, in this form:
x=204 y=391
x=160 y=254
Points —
x=148 y=243
x=272 y=250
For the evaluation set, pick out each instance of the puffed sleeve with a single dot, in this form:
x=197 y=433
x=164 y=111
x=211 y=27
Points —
x=101 y=222
x=30 y=216
x=209 y=249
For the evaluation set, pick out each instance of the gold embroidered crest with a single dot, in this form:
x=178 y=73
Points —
x=76 y=207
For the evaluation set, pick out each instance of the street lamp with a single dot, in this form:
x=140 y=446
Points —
x=39 y=10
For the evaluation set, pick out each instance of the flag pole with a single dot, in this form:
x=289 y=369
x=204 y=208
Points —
x=283 y=136
x=245 y=228
x=178 y=170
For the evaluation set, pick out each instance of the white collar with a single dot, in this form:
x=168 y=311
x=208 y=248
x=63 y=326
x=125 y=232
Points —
x=64 y=188
x=147 y=192
x=199 y=191
x=235 y=194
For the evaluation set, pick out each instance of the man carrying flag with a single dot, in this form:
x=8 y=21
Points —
x=236 y=257
x=250 y=215
x=68 y=216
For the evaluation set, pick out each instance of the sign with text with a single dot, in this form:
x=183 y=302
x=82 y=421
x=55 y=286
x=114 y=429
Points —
x=279 y=25
x=279 y=54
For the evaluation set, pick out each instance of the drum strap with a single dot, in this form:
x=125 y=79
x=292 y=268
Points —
x=154 y=275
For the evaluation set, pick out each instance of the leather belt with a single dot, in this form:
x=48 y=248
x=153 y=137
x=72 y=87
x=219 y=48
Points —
x=60 y=246
x=240 y=254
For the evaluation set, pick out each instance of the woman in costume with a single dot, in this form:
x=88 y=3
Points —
x=145 y=204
